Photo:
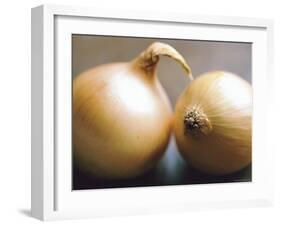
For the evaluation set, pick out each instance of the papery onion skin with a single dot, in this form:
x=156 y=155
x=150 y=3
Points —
x=220 y=141
x=122 y=118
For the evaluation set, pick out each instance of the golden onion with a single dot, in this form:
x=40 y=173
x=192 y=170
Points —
x=121 y=115
x=213 y=123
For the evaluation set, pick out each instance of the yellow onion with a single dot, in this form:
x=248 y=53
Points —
x=213 y=123
x=121 y=115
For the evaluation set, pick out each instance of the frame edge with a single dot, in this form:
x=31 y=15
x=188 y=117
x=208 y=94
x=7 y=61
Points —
x=37 y=162
x=150 y=15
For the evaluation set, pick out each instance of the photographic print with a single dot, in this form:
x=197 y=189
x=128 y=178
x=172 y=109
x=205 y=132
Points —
x=136 y=113
x=158 y=112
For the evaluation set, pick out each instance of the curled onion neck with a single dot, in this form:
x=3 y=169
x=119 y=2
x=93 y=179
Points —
x=149 y=58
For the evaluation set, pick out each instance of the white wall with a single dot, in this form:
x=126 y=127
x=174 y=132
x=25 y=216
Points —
x=15 y=112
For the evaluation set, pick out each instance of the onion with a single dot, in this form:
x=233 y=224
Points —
x=213 y=123
x=121 y=115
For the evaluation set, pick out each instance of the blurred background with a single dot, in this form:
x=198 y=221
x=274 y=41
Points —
x=202 y=56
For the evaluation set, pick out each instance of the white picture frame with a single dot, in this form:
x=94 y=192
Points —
x=52 y=197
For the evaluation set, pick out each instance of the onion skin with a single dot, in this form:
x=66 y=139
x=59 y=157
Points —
x=122 y=118
x=218 y=142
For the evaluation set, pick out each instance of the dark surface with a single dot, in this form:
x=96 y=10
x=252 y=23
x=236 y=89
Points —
x=171 y=170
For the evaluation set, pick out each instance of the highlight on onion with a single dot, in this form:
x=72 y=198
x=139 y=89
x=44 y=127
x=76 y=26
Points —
x=213 y=123
x=122 y=118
